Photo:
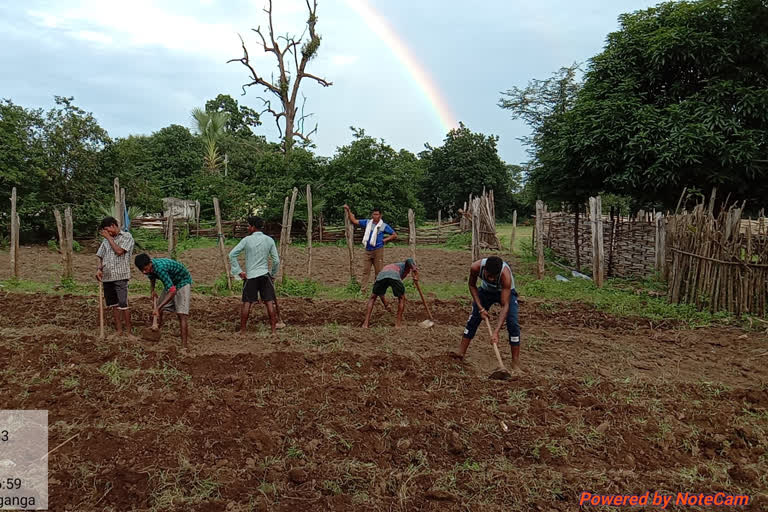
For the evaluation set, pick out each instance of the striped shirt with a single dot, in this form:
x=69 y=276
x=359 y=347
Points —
x=170 y=272
x=116 y=268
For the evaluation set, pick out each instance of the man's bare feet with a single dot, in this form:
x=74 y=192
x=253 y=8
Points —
x=365 y=326
x=280 y=325
x=456 y=355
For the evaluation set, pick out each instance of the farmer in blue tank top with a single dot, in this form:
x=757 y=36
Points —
x=497 y=286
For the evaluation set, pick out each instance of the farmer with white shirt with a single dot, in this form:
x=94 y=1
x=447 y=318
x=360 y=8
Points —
x=373 y=240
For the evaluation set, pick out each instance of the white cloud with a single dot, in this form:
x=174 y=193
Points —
x=141 y=23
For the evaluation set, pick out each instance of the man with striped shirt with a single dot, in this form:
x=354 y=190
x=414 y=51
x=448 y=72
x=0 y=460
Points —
x=115 y=271
x=177 y=289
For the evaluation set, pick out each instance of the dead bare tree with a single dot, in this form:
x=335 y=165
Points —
x=301 y=51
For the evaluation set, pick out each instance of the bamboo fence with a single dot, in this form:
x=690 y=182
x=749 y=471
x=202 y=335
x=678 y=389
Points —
x=720 y=263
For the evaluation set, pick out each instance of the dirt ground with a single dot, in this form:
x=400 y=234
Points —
x=330 y=417
x=330 y=264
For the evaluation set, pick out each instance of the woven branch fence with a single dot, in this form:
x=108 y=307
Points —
x=720 y=263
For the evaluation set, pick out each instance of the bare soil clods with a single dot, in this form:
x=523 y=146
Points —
x=331 y=417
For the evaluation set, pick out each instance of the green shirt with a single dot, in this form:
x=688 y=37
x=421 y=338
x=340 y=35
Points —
x=170 y=272
x=258 y=249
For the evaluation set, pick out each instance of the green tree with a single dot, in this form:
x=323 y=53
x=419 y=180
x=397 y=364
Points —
x=466 y=163
x=22 y=158
x=241 y=119
x=211 y=127
x=369 y=174
x=678 y=97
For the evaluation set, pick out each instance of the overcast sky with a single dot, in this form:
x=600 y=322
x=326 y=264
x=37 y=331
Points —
x=142 y=65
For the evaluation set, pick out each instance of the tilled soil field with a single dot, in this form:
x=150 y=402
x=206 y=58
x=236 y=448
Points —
x=330 y=417
x=330 y=264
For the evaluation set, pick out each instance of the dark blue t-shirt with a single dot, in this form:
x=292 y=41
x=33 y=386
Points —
x=386 y=230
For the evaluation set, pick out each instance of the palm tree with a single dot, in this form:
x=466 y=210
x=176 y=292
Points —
x=211 y=126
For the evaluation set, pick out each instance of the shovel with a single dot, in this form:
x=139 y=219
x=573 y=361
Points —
x=152 y=333
x=501 y=373
x=426 y=324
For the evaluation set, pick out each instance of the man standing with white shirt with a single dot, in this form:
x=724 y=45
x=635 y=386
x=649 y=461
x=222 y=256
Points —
x=373 y=240
x=259 y=248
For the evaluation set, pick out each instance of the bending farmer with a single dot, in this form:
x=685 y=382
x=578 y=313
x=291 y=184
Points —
x=497 y=286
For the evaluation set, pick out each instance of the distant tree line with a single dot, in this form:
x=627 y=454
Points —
x=63 y=157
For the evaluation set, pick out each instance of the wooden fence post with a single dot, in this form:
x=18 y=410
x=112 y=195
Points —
x=170 y=235
x=197 y=217
x=412 y=233
x=222 y=252
x=122 y=208
x=349 y=231
x=68 y=242
x=14 y=236
x=60 y=231
x=475 y=231
x=288 y=228
x=512 y=235
x=539 y=239
x=118 y=206
x=660 y=244
x=598 y=254
x=439 y=221
x=309 y=232
x=283 y=228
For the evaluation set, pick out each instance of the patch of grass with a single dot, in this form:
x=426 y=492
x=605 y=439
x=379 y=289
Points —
x=119 y=376
x=614 y=298
x=458 y=241
x=290 y=287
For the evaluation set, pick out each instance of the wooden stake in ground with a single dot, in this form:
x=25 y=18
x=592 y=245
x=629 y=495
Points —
x=222 y=252
x=412 y=233
x=101 y=310
x=197 y=216
x=349 y=231
x=512 y=235
x=122 y=208
x=68 y=242
x=288 y=228
x=475 y=234
x=309 y=232
x=283 y=229
x=439 y=221
x=118 y=205
x=540 y=238
x=14 y=236
x=170 y=234
x=598 y=255
x=60 y=231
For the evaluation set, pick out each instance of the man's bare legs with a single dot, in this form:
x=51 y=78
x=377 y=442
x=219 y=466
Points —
x=400 y=310
x=118 y=321
x=245 y=310
x=369 y=310
x=270 y=305
x=183 y=323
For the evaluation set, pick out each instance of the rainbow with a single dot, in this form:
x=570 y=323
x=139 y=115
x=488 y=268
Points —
x=378 y=23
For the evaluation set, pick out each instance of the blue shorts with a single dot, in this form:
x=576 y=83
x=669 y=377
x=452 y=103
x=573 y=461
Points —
x=487 y=299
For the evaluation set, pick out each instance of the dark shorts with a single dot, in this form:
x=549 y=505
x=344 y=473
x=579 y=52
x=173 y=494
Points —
x=256 y=287
x=116 y=294
x=381 y=285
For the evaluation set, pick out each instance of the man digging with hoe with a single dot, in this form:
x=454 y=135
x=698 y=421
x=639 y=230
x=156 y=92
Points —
x=497 y=286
